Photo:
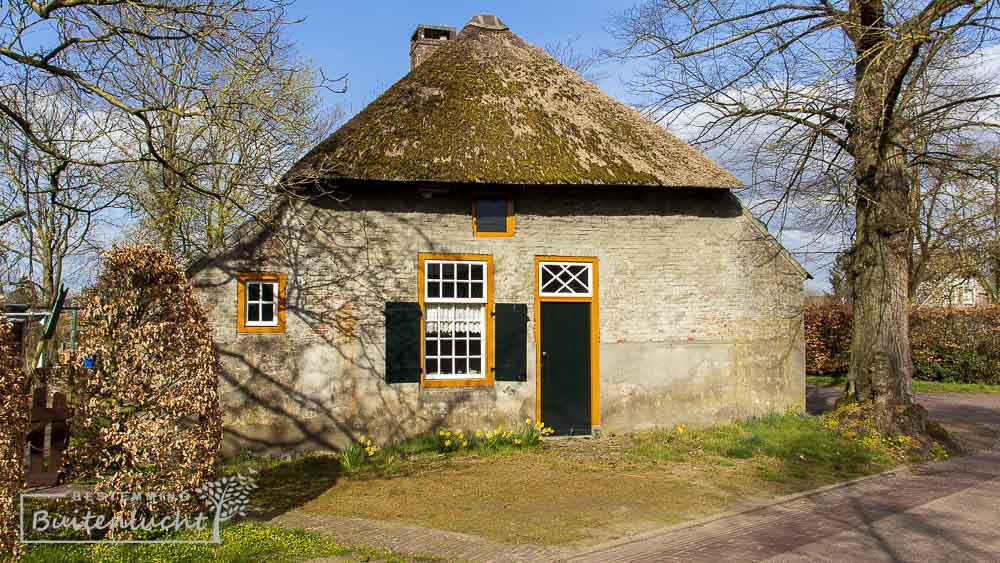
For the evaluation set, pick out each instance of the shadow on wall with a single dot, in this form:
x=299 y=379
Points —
x=321 y=383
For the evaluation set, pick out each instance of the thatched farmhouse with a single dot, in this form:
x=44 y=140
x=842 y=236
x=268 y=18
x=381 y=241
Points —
x=495 y=239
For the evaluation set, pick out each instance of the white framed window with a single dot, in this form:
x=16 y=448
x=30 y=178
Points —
x=565 y=279
x=968 y=293
x=455 y=303
x=261 y=307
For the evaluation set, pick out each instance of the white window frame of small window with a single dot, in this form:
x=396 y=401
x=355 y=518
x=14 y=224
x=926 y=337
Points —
x=589 y=281
x=430 y=302
x=968 y=293
x=260 y=302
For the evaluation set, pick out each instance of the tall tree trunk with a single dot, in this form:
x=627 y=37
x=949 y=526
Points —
x=881 y=367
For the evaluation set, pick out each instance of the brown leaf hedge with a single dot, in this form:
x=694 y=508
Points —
x=148 y=412
x=14 y=412
x=948 y=344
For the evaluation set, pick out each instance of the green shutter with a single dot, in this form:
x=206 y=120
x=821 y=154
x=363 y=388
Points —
x=402 y=342
x=511 y=342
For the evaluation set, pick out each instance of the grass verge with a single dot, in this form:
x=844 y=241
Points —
x=794 y=447
x=244 y=541
x=919 y=385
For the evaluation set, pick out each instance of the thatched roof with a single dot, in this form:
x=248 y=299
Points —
x=488 y=107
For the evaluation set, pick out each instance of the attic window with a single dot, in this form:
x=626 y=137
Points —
x=493 y=217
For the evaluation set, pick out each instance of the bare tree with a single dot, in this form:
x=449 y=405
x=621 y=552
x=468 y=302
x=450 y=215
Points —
x=94 y=49
x=587 y=65
x=60 y=203
x=234 y=153
x=954 y=226
x=840 y=86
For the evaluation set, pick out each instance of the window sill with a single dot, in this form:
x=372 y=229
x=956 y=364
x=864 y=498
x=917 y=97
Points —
x=492 y=234
x=440 y=383
x=260 y=329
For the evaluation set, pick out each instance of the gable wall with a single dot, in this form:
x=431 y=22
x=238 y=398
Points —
x=700 y=317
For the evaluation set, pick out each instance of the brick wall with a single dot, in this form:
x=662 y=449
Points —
x=685 y=277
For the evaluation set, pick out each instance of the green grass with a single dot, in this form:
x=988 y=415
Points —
x=919 y=385
x=245 y=541
x=788 y=447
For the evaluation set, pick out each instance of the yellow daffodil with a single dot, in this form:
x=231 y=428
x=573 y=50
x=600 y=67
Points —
x=478 y=433
x=447 y=443
x=465 y=443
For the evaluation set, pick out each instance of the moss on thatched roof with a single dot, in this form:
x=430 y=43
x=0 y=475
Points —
x=490 y=108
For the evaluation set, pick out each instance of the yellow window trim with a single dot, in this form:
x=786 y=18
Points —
x=510 y=217
x=488 y=317
x=595 y=362
x=241 y=302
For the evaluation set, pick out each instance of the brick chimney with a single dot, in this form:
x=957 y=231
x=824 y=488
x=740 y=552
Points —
x=426 y=39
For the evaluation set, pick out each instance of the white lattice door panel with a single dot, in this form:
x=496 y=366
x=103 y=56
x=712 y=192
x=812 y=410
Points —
x=565 y=279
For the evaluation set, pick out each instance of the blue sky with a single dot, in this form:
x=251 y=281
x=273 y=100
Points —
x=371 y=40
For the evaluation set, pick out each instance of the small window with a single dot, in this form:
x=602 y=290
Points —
x=261 y=303
x=968 y=293
x=493 y=217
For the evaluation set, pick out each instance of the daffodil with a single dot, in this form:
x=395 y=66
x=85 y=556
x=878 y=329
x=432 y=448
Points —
x=478 y=434
x=447 y=443
x=465 y=443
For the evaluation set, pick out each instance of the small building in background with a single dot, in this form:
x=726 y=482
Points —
x=28 y=323
x=953 y=291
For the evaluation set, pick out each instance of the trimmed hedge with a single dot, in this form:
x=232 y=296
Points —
x=954 y=345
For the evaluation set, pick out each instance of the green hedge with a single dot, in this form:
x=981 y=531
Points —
x=954 y=345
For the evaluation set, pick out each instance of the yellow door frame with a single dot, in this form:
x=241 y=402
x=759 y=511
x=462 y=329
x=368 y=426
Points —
x=595 y=365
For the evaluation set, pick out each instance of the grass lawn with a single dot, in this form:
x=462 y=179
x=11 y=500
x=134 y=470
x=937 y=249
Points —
x=919 y=386
x=245 y=541
x=588 y=490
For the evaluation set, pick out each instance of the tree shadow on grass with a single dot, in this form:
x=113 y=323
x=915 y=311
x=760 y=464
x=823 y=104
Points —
x=285 y=485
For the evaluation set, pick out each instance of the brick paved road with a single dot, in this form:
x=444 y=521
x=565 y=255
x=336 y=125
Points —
x=937 y=512
x=932 y=512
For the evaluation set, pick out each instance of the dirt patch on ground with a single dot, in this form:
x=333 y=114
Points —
x=581 y=491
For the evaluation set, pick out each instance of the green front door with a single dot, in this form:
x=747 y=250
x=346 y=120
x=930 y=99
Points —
x=565 y=357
